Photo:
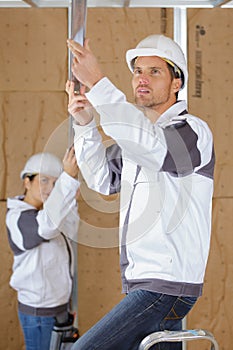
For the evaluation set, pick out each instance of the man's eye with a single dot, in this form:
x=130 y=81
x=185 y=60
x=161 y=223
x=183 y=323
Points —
x=137 y=71
x=154 y=71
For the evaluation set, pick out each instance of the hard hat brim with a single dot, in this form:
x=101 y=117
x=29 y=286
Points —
x=133 y=53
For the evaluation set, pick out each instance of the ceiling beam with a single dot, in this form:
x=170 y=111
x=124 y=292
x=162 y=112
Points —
x=172 y=4
x=121 y=3
x=126 y=3
x=31 y=3
x=219 y=3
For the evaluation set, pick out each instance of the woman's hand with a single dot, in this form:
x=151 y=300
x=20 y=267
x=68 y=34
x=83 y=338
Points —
x=70 y=165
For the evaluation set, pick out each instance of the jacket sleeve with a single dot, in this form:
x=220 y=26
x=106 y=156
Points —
x=60 y=209
x=22 y=229
x=151 y=144
x=140 y=140
x=91 y=157
x=29 y=228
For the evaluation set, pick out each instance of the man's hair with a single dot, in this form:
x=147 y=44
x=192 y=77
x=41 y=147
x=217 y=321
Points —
x=175 y=75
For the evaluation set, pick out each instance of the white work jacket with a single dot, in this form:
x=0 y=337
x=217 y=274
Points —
x=40 y=240
x=164 y=171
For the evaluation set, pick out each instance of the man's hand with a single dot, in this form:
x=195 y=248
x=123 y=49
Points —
x=85 y=66
x=70 y=163
x=79 y=107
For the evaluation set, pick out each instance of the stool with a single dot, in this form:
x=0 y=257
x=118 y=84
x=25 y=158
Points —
x=175 y=336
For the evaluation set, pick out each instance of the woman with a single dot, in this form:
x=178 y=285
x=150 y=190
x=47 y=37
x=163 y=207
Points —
x=40 y=224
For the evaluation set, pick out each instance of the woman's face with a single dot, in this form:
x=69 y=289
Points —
x=38 y=189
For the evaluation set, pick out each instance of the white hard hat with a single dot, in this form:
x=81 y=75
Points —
x=163 y=47
x=42 y=163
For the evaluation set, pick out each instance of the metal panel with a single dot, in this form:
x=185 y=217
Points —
x=77 y=26
x=219 y=3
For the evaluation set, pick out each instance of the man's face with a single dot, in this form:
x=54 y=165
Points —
x=152 y=84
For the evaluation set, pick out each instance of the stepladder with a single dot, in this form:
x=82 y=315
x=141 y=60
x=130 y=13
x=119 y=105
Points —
x=178 y=336
x=64 y=335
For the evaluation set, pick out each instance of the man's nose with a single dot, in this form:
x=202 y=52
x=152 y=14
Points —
x=144 y=79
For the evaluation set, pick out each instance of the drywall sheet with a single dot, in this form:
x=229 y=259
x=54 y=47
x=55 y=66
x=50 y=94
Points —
x=11 y=335
x=33 y=49
x=210 y=48
x=214 y=309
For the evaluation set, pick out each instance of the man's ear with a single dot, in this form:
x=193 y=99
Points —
x=176 y=84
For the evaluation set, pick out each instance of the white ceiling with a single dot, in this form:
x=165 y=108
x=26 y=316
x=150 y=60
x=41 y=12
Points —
x=121 y=3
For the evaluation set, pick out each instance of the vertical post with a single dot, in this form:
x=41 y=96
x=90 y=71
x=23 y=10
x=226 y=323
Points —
x=77 y=25
x=180 y=36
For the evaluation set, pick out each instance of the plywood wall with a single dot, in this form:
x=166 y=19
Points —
x=33 y=68
x=210 y=97
x=113 y=31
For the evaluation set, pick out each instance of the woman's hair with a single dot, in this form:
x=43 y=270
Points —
x=31 y=178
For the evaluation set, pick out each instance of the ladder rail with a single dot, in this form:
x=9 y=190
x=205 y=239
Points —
x=175 y=336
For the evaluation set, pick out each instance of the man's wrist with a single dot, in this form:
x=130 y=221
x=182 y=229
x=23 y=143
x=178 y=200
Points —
x=95 y=81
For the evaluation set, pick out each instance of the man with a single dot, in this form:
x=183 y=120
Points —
x=163 y=163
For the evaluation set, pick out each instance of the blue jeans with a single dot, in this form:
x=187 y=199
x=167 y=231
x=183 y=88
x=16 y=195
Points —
x=137 y=315
x=37 y=331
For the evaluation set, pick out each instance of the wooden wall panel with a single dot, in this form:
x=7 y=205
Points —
x=33 y=49
x=29 y=121
x=33 y=69
x=99 y=283
x=210 y=83
x=214 y=309
x=113 y=31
